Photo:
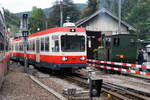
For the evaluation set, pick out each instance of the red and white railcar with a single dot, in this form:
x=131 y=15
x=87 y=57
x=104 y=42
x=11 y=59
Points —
x=55 y=48
x=4 y=49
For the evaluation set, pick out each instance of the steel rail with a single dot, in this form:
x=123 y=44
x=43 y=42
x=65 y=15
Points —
x=117 y=91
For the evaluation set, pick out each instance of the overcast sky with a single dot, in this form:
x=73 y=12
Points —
x=26 y=5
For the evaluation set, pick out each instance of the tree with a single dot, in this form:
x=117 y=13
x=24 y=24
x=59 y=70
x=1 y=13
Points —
x=12 y=22
x=92 y=7
x=69 y=10
x=127 y=6
x=37 y=20
x=139 y=17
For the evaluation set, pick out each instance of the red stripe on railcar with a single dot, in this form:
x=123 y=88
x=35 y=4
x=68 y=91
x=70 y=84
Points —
x=58 y=59
x=52 y=30
x=53 y=59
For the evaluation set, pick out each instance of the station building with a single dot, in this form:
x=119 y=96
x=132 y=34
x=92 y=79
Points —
x=102 y=22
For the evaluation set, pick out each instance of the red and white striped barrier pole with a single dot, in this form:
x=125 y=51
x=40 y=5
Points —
x=121 y=64
x=120 y=69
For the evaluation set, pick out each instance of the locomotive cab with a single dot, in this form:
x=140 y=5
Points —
x=118 y=48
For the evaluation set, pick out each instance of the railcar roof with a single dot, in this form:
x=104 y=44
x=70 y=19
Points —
x=52 y=30
x=57 y=29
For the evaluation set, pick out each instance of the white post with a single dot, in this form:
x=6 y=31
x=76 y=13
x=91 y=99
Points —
x=119 y=14
x=61 y=13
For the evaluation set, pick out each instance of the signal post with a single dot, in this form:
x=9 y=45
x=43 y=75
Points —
x=25 y=33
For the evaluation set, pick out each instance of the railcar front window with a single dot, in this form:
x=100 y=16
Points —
x=71 y=43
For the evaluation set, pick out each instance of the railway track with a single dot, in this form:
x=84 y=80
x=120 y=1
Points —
x=116 y=91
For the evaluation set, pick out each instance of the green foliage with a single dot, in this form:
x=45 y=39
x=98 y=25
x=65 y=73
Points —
x=12 y=22
x=90 y=9
x=14 y=30
x=134 y=12
x=111 y=5
x=94 y=5
x=127 y=6
x=69 y=10
x=37 y=20
x=139 y=17
x=11 y=19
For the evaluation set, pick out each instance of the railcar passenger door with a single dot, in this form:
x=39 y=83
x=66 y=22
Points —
x=38 y=50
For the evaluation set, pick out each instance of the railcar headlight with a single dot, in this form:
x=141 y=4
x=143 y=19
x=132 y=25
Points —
x=82 y=58
x=64 y=58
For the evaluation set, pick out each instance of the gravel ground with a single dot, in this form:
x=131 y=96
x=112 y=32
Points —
x=58 y=85
x=18 y=86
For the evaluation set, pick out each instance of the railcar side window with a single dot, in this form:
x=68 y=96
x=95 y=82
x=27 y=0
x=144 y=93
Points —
x=37 y=46
x=42 y=44
x=47 y=44
x=33 y=45
x=19 y=46
x=16 y=47
x=116 y=41
x=56 y=46
x=22 y=47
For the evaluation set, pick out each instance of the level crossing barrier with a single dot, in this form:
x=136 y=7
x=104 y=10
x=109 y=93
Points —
x=96 y=63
